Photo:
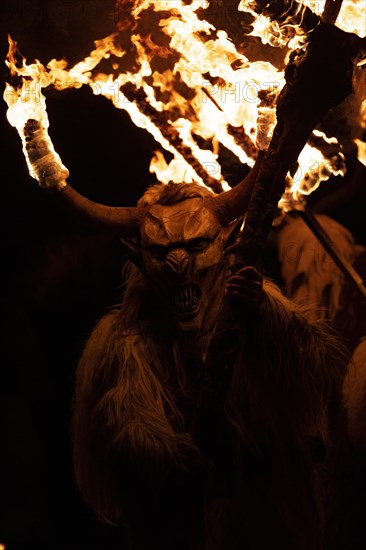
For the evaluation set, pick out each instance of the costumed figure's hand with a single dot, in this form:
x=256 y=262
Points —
x=245 y=287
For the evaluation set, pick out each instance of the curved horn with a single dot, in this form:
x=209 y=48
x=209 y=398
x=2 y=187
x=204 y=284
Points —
x=122 y=220
x=233 y=204
x=48 y=169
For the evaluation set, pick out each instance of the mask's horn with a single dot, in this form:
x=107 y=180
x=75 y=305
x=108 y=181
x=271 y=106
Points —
x=52 y=174
x=232 y=204
x=122 y=220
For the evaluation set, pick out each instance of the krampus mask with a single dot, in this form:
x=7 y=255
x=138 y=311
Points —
x=177 y=237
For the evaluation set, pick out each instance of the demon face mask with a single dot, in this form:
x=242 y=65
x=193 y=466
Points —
x=182 y=254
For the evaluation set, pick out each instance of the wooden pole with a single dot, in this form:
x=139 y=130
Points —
x=331 y=11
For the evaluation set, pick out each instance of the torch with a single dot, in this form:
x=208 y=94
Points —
x=318 y=78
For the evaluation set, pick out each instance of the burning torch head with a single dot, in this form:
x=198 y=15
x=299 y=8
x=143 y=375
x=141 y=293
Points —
x=45 y=164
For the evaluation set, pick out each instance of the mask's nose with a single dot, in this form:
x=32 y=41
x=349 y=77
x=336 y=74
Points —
x=176 y=262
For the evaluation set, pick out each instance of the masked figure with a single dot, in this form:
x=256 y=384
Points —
x=202 y=404
x=206 y=402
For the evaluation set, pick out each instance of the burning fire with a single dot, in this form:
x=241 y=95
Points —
x=351 y=18
x=313 y=168
x=297 y=22
x=28 y=103
x=361 y=145
x=187 y=85
x=286 y=33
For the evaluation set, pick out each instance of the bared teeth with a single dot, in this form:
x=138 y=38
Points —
x=186 y=299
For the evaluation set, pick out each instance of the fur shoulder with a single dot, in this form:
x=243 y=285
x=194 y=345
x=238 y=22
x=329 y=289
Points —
x=294 y=363
x=92 y=361
x=100 y=335
x=354 y=396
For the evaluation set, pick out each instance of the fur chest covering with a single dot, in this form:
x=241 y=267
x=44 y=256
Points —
x=224 y=452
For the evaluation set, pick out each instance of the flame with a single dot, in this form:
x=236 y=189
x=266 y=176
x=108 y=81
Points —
x=214 y=108
x=363 y=113
x=187 y=85
x=361 y=146
x=313 y=168
x=351 y=18
x=232 y=101
x=27 y=102
x=288 y=32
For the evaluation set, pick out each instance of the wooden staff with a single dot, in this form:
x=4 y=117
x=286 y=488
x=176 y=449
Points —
x=331 y=11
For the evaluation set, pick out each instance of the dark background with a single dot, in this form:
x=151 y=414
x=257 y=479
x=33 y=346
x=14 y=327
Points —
x=59 y=275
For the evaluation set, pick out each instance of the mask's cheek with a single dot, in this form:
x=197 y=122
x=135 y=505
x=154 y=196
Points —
x=210 y=262
x=210 y=273
x=154 y=272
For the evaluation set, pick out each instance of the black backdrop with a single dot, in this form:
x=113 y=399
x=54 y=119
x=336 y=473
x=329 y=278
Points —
x=59 y=275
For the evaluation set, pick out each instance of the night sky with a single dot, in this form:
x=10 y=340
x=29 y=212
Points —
x=60 y=275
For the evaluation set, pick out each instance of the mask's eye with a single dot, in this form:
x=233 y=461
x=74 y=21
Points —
x=158 y=251
x=198 y=244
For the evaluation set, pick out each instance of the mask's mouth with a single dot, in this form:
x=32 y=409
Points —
x=186 y=301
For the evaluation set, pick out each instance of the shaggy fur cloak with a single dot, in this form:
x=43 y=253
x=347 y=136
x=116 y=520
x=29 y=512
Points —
x=184 y=468
x=311 y=276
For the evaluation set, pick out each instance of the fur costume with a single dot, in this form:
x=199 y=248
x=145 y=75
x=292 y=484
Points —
x=346 y=527
x=310 y=276
x=354 y=396
x=182 y=474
